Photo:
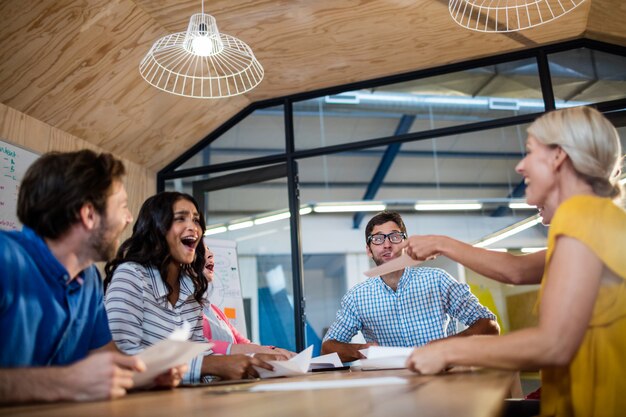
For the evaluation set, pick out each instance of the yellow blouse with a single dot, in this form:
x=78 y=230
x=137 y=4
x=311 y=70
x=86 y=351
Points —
x=594 y=383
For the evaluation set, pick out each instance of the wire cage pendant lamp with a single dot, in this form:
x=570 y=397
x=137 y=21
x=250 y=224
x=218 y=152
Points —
x=201 y=62
x=508 y=15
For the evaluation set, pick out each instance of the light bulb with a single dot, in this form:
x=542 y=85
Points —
x=202 y=46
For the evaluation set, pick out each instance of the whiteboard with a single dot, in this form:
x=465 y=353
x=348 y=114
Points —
x=226 y=291
x=14 y=161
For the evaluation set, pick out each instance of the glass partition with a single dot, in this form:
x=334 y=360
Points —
x=262 y=133
x=582 y=76
x=454 y=99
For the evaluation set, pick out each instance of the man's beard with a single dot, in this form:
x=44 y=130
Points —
x=378 y=261
x=103 y=247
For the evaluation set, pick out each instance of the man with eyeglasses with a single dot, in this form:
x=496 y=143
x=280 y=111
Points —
x=409 y=307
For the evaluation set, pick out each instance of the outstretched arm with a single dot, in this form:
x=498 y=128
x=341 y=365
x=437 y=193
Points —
x=575 y=274
x=500 y=266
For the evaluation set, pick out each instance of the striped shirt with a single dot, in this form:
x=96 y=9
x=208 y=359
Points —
x=425 y=307
x=140 y=314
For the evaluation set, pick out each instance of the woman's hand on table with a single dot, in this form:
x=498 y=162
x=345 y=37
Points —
x=427 y=360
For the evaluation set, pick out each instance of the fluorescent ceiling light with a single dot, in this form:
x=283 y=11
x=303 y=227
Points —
x=255 y=235
x=508 y=231
x=343 y=98
x=522 y=206
x=348 y=207
x=305 y=210
x=448 y=206
x=241 y=225
x=272 y=218
x=531 y=250
x=215 y=230
x=498 y=249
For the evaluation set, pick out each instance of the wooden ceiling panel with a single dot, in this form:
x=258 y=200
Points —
x=357 y=41
x=607 y=21
x=74 y=63
x=83 y=78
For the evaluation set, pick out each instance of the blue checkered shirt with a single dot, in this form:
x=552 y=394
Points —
x=426 y=306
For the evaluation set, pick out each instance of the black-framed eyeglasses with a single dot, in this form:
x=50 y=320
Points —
x=379 y=238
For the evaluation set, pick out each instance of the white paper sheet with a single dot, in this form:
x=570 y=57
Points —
x=330 y=360
x=396 y=264
x=168 y=353
x=332 y=384
x=300 y=364
x=297 y=365
x=384 y=357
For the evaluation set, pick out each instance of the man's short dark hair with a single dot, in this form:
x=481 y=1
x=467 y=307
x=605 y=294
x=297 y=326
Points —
x=58 y=184
x=382 y=218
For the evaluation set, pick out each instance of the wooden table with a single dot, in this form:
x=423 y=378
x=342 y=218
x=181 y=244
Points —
x=458 y=394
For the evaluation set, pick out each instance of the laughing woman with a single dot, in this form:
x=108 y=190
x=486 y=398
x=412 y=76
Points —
x=156 y=283
x=571 y=171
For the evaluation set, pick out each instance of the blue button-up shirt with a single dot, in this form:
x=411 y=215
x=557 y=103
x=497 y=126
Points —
x=425 y=307
x=46 y=319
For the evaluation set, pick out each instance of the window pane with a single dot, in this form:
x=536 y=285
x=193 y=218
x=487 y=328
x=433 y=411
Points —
x=474 y=95
x=262 y=133
x=470 y=166
x=583 y=76
x=324 y=285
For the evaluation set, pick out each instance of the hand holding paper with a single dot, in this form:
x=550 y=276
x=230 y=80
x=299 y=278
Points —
x=297 y=365
x=168 y=353
x=300 y=364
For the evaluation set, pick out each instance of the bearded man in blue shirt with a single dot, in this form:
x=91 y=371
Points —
x=409 y=307
x=56 y=343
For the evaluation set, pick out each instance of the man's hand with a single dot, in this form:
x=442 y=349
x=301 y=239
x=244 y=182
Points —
x=364 y=346
x=100 y=376
x=171 y=378
x=233 y=366
x=347 y=352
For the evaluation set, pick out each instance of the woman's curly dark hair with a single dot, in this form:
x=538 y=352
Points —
x=148 y=244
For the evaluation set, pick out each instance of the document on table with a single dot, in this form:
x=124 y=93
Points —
x=403 y=261
x=168 y=353
x=330 y=360
x=384 y=357
x=332 y=384
x=300 y=364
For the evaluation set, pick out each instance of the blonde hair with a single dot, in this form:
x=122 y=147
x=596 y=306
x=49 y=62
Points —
x=591 y=142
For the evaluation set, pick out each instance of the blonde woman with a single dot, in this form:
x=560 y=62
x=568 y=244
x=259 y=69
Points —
x=571 y=172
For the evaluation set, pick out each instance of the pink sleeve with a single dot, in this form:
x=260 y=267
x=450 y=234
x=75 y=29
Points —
x=239 y=339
